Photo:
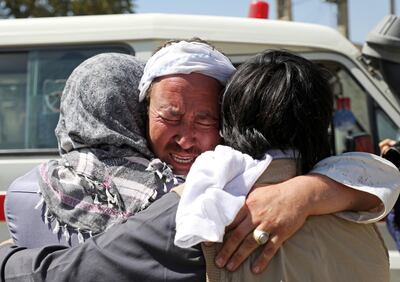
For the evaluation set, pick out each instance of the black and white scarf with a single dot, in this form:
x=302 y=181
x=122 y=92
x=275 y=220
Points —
x=102 y=176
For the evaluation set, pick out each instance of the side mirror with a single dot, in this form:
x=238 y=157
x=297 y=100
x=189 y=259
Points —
x=361 y=142
x=382 y=51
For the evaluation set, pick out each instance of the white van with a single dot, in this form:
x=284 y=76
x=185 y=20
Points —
x=37 y=56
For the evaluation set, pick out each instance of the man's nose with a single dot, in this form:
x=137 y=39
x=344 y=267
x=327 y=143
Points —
x=186 y=137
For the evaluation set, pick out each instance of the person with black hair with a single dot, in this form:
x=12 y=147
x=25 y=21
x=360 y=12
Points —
x=279 y=101
x=278 y=105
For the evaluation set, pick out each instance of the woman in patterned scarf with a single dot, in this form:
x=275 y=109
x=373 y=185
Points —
x=101 y=178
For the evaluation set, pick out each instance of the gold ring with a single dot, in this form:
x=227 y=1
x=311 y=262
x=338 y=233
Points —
x=260 y=236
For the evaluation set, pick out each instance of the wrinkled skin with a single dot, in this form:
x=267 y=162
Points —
x=183 y=118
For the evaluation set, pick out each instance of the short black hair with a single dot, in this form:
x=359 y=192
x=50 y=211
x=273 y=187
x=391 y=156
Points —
x=278 y=100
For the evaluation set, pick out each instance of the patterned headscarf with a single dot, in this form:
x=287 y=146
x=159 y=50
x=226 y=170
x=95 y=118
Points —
x=101 y=178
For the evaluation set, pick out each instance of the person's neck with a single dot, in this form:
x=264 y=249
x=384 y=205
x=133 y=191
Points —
x=278 y=171
x=283 y=154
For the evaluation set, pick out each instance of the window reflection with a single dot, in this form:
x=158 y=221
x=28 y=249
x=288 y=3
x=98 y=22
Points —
x=31 y=84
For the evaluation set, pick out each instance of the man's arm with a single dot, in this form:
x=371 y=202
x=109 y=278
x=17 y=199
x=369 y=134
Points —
x=141 y=249
x=282 y=209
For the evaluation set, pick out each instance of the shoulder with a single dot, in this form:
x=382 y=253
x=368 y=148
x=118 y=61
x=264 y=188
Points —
x=28 y=182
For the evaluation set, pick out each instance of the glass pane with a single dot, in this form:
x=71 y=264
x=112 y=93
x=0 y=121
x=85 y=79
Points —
x=347 y=90
x=386 y=127
x=358 y=98
x=31 y=84
x=13 y=81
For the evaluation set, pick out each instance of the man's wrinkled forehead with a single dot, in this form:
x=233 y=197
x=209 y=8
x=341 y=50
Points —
x=185 y=58
x=195 y=89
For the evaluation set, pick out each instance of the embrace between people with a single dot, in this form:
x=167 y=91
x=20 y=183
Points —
x=124 y=144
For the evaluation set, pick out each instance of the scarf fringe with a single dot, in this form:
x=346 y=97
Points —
x=40 y=203
x=102 y=195
x=66 y=234
x=46 y=216
x=56 y=227
x=96 y=200
x=65 y=229
x=164 y=173
x=81 y=239
x=112 y=200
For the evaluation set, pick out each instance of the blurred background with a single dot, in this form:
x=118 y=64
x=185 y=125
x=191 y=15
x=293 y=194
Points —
x=356 y=17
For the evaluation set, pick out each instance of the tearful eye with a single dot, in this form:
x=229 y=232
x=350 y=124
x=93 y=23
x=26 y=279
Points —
x=207 y=122
x=170 y=119
x=169 y=116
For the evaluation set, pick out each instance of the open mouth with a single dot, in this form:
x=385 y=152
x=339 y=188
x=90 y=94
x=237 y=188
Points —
x=183 y=160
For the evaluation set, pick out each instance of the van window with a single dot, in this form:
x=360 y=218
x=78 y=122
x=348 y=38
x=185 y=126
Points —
x=359 y=106
x=31 y=83
x=370 y=119
x=386 y=127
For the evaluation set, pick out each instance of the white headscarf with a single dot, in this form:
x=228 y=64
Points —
x=183 y=58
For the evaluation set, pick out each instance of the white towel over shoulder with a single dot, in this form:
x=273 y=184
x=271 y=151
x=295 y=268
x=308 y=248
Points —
x=215 y=190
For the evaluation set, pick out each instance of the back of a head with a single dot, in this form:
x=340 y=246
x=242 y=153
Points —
x=277 y=100
x=100 y=107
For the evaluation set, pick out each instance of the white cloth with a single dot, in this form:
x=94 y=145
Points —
x=183 y=58
x=364 y=172
x=207 y=206
x=215 y=190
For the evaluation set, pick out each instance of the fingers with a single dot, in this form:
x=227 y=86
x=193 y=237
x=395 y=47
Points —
x=232 y=241
x=385 y=144
x=248 y=246
x=208 y=244
x=268 y=252
x=9 y=241
x=243 y=212
x=245 y=249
